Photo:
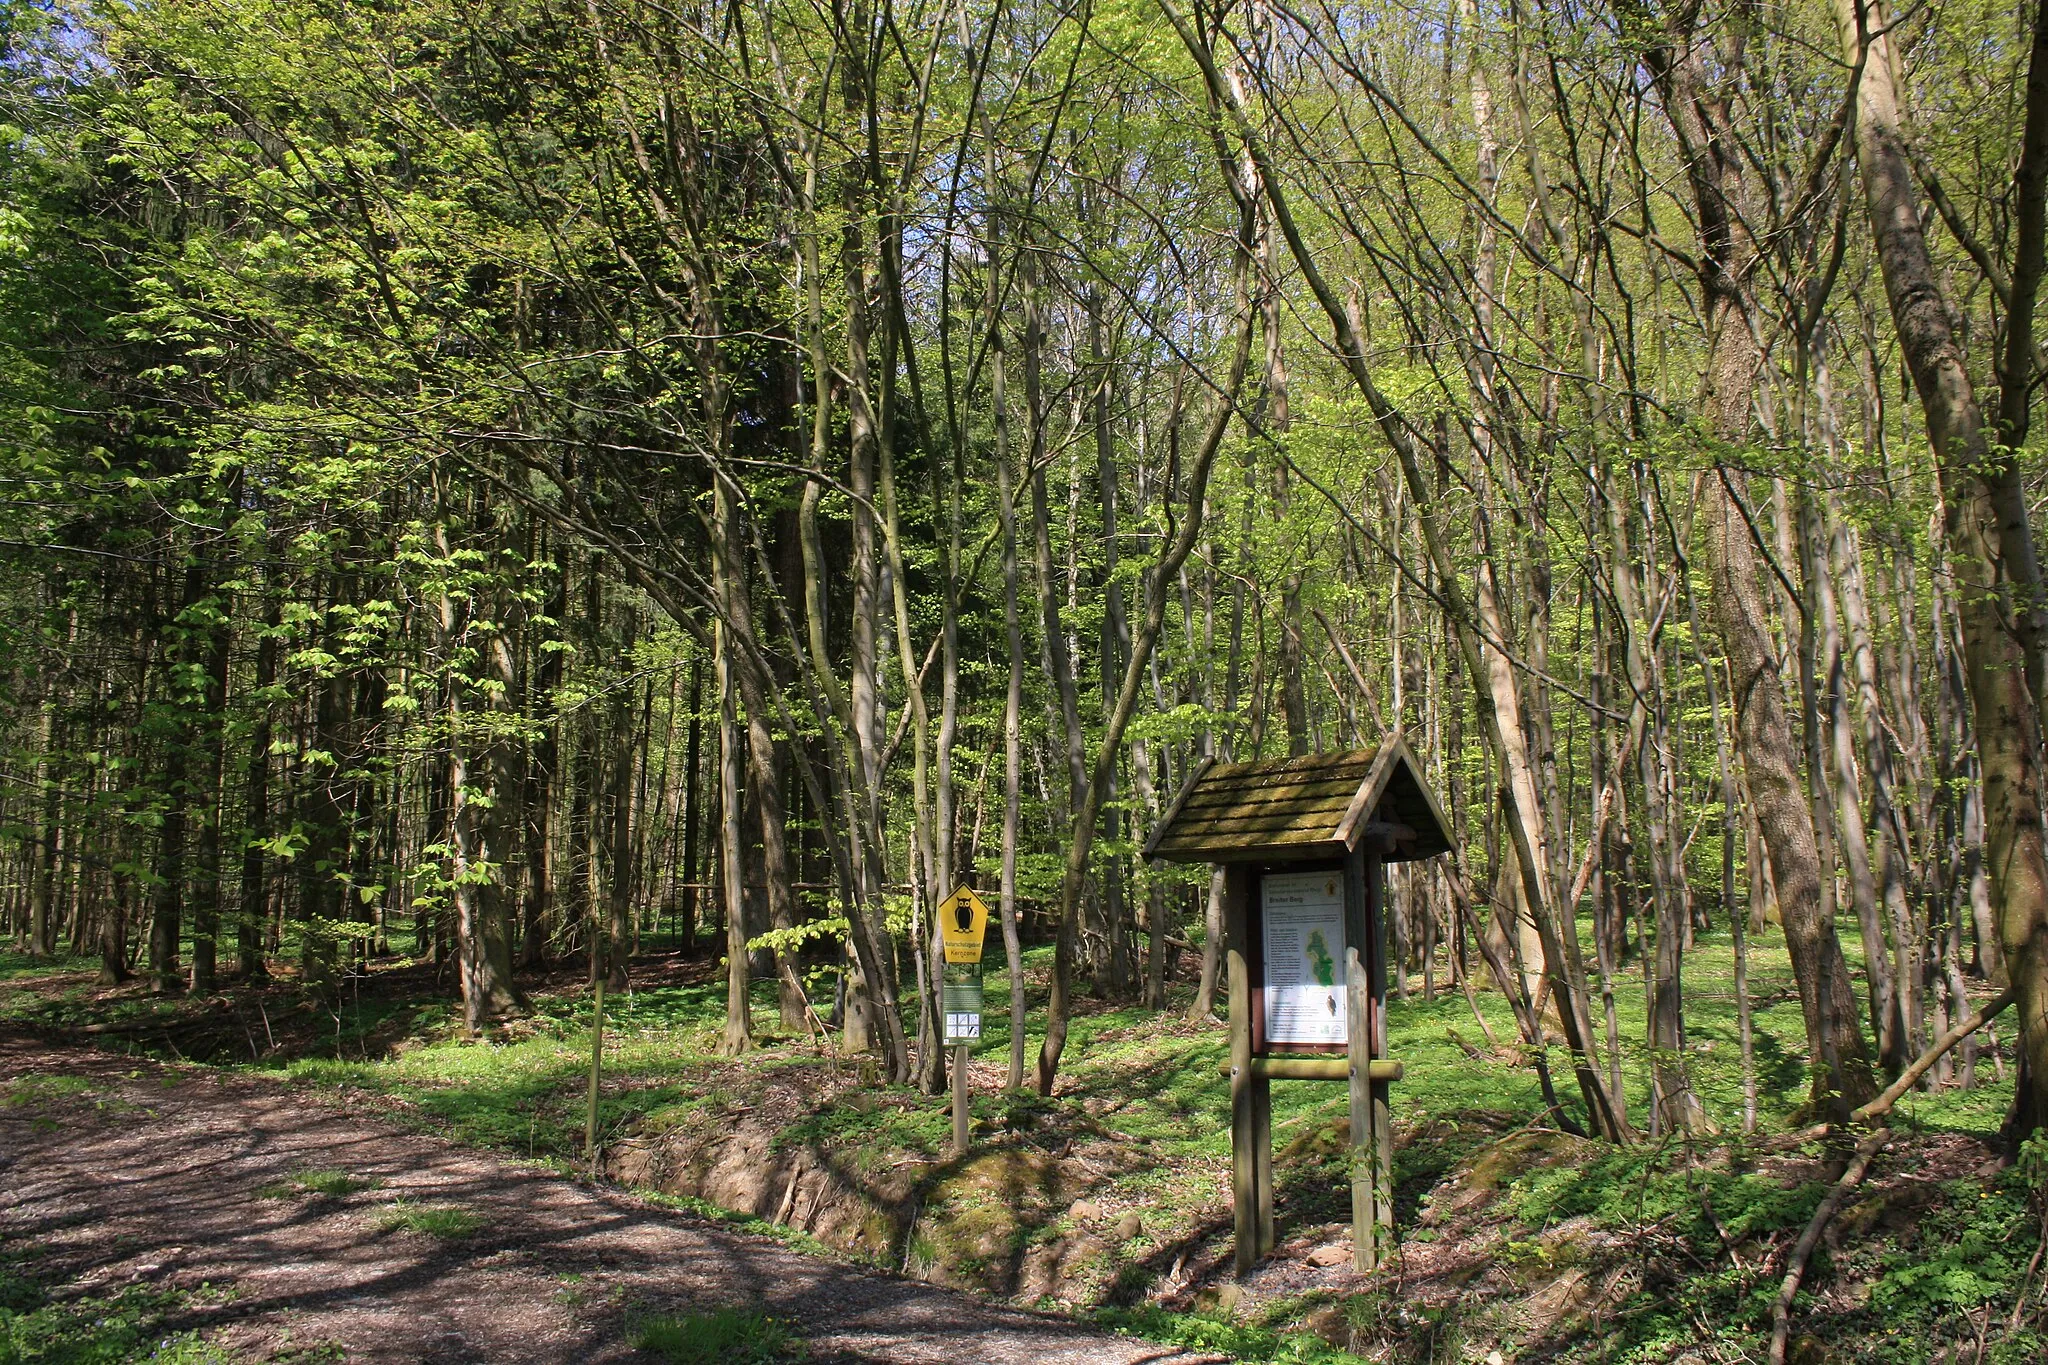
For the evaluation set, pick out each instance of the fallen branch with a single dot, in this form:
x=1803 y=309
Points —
x=1802 y=1251
x=1882 y=1105
x=1868 y=1147
x=1892 y=1093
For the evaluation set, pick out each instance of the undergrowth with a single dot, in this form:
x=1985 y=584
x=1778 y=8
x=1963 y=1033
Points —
x=1223 y=1335
x=1708 y=1223
x=48 y=1324
x=444 y=1221
x=723 y=1336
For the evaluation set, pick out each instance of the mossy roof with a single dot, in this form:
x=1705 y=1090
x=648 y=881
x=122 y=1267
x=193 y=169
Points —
x=1315 y=807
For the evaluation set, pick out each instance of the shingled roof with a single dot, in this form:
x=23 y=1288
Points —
x=1302 y=809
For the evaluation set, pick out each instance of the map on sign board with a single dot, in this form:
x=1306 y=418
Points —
x=963 y=921
x=1304 y=947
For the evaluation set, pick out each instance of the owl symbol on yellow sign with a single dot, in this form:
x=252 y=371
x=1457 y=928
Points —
x=963 y=920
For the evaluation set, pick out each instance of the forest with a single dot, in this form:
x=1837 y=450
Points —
x=507 y=490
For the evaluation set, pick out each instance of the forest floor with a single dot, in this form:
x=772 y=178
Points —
x=1106 y=1202
x=233 y=1218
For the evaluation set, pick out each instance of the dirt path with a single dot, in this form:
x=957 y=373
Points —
x=156 y=1175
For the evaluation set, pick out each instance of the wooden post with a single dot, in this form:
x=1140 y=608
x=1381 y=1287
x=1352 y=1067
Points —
x=1382 y=1108
x=600 y=963
x=1365 y=1249
x=1251 y=1154
x=1262 y=1161
x=960 y=1099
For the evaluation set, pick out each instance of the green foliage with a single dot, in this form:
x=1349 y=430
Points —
x=329 y=1183
x=1224 y=1336
x=722 y=1336
x=1636 y=1186
x=41 y=1088
x=1971 y=1249
x=444 y=1221
x=826 y=929
x=14 y=965
x=40 y=1327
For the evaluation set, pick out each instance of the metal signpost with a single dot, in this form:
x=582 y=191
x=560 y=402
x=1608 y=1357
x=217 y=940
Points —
x=963 y=922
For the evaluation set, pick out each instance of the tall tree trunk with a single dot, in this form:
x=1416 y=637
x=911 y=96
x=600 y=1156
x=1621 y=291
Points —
x=1842 y=1078
x=1013 y=692
x=1838 y=786
x=212 y=736
x=322 y=864
x=41 y=864
x=738 y=1036
x=1885 y=816
x=1841 y=1071
x=166 y=921
x=543 y=783
x=620 y=886
x=484 y=777
x=1115 y=642
x=690 y=812
x=253 y=913
x=1990 y=539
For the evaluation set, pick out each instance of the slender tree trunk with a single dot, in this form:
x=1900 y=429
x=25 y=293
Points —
x=206 y=885
x=543 y=787
x=739 y=1026
x=620 y=885
x=1990 y=543
x=253 y=912
x=1861 y=671
x=1841 y=1072
x=690 y=811
x=1842 y=1077
x=1115 y=641
x=41 y=864
x=323 y=862
x=1013 y=692
x=1097 y=785
x=166 y=921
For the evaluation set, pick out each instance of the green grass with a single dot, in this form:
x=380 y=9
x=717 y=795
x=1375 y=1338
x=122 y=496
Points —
x=332 y=1184
x=444 y=1221
x=13 y=964
x=1162 y=1081
x=1151 y=1086
x=40 y=1325
x=1221 y=1334
x=723 y=1336
x=40 y=1088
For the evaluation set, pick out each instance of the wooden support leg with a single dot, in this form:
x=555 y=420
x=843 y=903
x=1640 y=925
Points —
x=1382 y=1114
x=1248 y=1136
x=1365 y=1220
x=1244 y=1168
x=1262 y=1164
x=960 y=1100
x=1383 y=1167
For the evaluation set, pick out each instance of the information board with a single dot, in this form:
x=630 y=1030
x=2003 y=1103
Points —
x=962 y=1001
x=1302 y=914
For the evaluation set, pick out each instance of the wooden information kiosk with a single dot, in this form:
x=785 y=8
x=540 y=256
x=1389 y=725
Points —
x=1303 y=843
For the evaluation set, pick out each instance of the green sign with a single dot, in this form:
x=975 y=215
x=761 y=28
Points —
x=961 y=1000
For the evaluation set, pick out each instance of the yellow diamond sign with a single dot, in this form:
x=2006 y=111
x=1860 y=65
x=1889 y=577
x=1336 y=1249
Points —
x=963 y=919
